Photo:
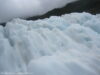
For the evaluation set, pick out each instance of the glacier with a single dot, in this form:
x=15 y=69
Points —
x=59 y=45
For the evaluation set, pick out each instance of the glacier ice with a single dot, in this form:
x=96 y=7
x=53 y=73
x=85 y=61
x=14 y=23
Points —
x=64 y=45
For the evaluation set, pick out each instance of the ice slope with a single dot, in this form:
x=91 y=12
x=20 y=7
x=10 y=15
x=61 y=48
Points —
x=64 y=45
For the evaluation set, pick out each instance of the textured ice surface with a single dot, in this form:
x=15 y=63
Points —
x=64 y=45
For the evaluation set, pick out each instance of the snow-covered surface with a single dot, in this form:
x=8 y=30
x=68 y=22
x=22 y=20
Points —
x=66 y=45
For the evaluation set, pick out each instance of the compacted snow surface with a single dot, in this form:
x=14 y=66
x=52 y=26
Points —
x=64 y=45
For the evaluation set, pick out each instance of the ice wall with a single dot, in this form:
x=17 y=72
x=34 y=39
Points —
x=64 y=45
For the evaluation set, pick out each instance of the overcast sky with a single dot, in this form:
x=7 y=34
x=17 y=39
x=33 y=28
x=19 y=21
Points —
x=25 y=8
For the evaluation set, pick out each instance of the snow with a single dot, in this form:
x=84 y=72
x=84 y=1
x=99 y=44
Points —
x=64 y=45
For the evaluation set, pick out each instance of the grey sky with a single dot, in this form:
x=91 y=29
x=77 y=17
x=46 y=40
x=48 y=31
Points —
x=25 y=8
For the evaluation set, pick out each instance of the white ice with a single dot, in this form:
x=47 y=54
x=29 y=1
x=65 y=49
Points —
x=64 y=45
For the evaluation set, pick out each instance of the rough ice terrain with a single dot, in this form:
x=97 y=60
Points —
x=64 y=45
